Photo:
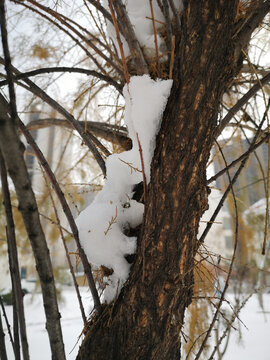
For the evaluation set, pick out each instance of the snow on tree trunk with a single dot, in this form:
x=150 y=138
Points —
x=146 y=319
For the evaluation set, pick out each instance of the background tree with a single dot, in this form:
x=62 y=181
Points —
x=206 y=44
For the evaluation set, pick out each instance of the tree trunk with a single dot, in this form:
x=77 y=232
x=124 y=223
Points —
x=146 y=319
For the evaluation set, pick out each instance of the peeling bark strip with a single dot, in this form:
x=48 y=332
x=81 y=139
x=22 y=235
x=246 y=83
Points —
x=146 y=320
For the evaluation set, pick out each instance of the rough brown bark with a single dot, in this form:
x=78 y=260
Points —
x=146 y=320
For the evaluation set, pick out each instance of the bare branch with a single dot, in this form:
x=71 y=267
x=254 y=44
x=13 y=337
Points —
x=12 y=151
x=251 y=149
x=76 y=124
x=245 y=27
x=244 y=99
x=218 y=307
x=67 y=254
x=101 y=9
x=106 y=131
x=175 y=15
x=129 y=34
x=63 y=69
x=232 y=182
x=168 y=24
x=7 y=324
x=63 y=21
x=13 y=259
x=67 y=211
x=3 y=352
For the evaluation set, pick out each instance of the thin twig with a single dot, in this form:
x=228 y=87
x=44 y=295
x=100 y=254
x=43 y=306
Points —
x=3 y=351
x=7 y=323
x=203 y=344
x=251 y=149
x=241 y=102
x=222 y=200
x=101 y=9
x=67 y=211
x=144 y=191
x=67 y=253
x=268 y=162
x=234 y=316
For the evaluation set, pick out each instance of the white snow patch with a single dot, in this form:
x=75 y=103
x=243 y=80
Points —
x=101 y=225
x=145 y=103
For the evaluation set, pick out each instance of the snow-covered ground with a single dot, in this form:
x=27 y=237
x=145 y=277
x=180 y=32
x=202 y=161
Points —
x=71 y=321
x=255 y=342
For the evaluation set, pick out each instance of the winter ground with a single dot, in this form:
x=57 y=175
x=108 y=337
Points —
x=255 y=342
x=71 y=321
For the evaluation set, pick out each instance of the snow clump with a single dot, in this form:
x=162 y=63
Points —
x=102 y=224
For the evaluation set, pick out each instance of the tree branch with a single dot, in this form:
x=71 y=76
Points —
x=232 y=182
x=107 y=132
x=94 y=73
x=3 y=352
x=130 y=36
x=62 y=20
x=101 y=9
x=240 y=158
x=240 y=103
x=245 y=27
x=12 y=151
x=76 y=124
x=67 y=211
x=13 y=259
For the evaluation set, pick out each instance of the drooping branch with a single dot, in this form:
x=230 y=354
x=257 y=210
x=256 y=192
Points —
x=63 y=202
x=76 y=124
x=67 y=211
x=64 y=69
x=79 y=43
